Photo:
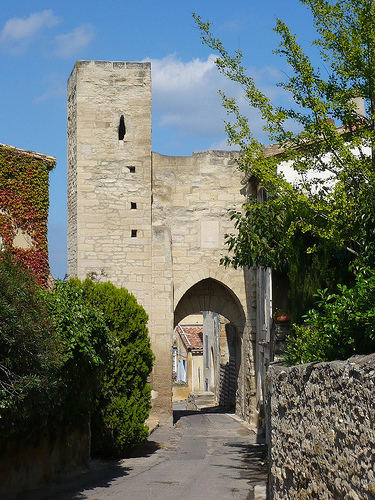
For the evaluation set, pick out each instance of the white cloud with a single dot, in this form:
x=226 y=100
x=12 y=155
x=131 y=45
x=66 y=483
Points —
x=56 y=87
x=185 y=95
x=170 y=73
x=69 y=44
x=18 y=33
x=186 y=99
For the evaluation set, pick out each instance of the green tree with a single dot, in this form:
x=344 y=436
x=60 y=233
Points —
x=53 y=347
x=323 y=224
x=123 y=405
x=340 y=325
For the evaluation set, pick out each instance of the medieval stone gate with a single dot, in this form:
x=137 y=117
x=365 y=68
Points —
x=154 y=224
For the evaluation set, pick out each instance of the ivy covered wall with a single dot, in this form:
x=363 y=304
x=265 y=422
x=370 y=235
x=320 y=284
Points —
x=24 y=203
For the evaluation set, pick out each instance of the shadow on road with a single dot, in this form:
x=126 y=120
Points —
x=177 y=414
x=253 y=461
x=146 y=449
x=101 y=475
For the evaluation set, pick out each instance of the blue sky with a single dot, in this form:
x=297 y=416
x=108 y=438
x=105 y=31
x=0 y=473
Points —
x=41 y=40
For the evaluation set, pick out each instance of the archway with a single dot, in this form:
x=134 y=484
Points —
x=223 y=324
x=211 y=295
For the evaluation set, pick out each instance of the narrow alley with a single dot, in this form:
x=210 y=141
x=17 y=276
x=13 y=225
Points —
x=205 y=455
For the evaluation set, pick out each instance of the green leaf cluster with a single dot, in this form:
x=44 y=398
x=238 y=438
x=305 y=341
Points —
x=341 y=324
x=125 y=399
x=53 y=346
x=87 y=346
x=78 y=349
x=319 y=229
x=31 y=354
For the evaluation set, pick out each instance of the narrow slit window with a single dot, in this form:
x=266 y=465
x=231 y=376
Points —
x=133 y=205
x=134 y=233
x=132 y=170
x=121 y=129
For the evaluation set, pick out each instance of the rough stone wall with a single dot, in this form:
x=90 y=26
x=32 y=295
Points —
x=322 y=430
x=29 y=464
x=72 y=172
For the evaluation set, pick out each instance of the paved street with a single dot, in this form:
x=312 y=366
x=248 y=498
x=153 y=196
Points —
x=208 y=456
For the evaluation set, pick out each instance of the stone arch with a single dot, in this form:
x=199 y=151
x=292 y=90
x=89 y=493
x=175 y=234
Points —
x=224 y=370
x=210 y=294
x=219 y=274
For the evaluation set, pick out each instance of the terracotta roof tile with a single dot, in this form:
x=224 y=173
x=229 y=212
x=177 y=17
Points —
x=191 y=336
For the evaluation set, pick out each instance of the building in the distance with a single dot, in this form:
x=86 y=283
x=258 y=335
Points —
x=188 y=360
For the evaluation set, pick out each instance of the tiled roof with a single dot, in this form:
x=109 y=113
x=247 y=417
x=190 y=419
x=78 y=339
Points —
x=37 y=156
x=192 y=337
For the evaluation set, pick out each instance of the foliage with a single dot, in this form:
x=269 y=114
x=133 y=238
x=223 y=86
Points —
x=24 y=206
x=87 y=346
x=31 y=355
x=327 y=215
x=53 y=346
x=64 y=353
x=124 y=402
x=305 y=345
x=343 y=324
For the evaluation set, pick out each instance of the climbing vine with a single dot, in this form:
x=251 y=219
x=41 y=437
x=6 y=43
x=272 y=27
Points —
x=24 y=203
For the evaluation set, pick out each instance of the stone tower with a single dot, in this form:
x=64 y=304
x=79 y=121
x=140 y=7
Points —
x=109 y=173
x=154 y=224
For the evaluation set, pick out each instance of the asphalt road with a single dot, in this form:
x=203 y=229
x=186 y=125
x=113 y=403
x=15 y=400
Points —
x=205 y=456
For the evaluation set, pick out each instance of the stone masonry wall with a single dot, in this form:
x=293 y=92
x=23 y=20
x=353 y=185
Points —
x=151 y=223
x=191 y=198
x=322 y=430
x=109 y=179
x=72 y=172
x=25 y=465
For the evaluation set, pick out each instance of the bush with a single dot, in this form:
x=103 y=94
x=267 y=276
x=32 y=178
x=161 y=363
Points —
x=64 y=353
x=31 y=355
x=124 y=402
x=87 y=347
x=341 y=325
x=53 y=346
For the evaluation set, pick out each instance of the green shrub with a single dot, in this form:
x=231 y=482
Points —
x=124 y=403
x=31 y=355
x=53 y=346
x=87 y=347
x=305 y=345
x=341 y=325
x=64 y=353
